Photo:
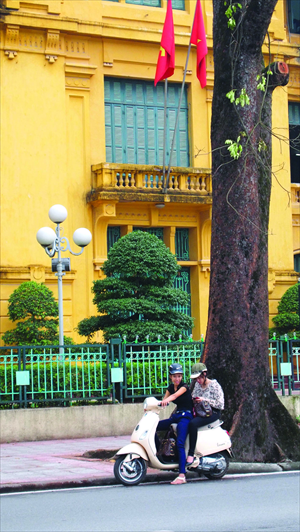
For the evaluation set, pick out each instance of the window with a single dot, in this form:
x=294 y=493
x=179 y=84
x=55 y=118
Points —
x=113 y=235
x=153 y=3
x=294 y=123
x=182 y=244
x=176 y=4
x=182 y=280
x=297 y=262
x=294 y=15
x=157 y=231
x=134 y=122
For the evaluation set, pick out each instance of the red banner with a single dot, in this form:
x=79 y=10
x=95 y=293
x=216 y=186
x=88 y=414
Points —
x=166 y=57
x=198 y=38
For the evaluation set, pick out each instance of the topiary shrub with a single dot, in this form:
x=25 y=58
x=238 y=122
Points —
x=137 y=298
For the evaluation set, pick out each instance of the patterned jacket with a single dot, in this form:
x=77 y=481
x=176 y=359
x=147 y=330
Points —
x=213 y=394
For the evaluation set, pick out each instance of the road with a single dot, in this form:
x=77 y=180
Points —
x=247 y=503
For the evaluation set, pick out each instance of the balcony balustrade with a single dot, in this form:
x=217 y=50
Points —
x=134 y=178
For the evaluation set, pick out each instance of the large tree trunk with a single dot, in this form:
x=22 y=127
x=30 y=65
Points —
x=236 y=349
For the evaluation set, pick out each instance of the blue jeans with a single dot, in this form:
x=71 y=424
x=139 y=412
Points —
x=182 y=420
x=194 y=425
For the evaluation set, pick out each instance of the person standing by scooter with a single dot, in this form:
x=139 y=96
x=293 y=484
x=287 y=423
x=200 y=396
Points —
x=203 y=389
x=179 y=393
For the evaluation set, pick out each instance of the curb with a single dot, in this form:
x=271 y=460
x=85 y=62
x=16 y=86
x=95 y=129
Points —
x=235 y=468
x=257 y=467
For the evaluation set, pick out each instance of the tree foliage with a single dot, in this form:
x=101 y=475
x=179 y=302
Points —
x=236 y=347
x=137 y=298
x=33 y=306
x=287 y=319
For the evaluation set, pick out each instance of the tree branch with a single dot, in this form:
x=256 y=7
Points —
x=280 y=75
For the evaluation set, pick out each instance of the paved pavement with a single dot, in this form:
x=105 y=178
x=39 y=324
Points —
x=54 y=464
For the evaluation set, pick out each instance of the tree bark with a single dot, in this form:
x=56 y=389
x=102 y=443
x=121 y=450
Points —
x=236 y=348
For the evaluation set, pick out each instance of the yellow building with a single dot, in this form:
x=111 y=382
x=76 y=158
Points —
x=82 y=126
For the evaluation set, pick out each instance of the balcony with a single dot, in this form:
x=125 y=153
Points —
x=295 y=194
x=134 y=182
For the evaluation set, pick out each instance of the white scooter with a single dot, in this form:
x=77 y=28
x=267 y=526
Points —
x=213 y=449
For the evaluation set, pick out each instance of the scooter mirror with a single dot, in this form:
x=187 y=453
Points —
x=150 y=404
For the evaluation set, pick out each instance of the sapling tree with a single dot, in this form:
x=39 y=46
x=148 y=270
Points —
x=236 y=348
x=137 y=299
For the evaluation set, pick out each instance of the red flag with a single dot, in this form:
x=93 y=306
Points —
x=166 y=57
x=198 y=38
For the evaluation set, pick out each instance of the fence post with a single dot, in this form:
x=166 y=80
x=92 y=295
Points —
x=20 y=369
x=116 y=377
x=24 y=369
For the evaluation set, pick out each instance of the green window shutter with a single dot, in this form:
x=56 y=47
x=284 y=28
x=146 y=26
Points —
x=134 y=123
x=297 y=262
x=151 y=156
x=113 y=235
x=152 y=3
x=294 y=16
x=294 y=114
x=294 y=133
x=182 y=244
x=140 y=134
x=178 y=4
x=157 y=231
x=183 y=281
x=117 y=128
x=130 y=134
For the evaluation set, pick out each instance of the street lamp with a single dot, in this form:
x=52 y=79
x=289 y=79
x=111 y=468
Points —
x=53 y=242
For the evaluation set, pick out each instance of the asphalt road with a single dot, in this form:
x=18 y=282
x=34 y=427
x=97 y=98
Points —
x=268 y=502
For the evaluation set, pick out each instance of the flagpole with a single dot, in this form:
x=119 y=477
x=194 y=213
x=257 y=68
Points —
x=165 y=128
x=178 y=110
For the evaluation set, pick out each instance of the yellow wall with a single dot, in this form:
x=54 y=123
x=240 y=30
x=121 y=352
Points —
x=53 y=59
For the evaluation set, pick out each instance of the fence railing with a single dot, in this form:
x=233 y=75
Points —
x=41 y=376
x=284 y=358
x=33 y=376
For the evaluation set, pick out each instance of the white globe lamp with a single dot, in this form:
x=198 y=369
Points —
x=45 y=236
x=82 y=237
x=58 y=214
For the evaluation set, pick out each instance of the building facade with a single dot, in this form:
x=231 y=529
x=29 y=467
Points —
x=82 y=125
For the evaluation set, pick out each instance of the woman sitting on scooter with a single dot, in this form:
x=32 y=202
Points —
x=203 y=389
x=179 y=393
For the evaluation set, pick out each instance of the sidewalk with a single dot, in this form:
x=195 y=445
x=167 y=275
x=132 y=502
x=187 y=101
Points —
x=55 y=464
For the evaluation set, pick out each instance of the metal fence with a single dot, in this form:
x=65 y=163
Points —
x=33 y=376
x=40 y=375
x=284 y=357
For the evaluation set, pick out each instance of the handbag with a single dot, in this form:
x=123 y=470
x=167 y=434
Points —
x=168 y=444
x=202 y=409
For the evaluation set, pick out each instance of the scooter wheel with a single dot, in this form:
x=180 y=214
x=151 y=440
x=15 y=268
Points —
x=221 y=470
x=130 y=473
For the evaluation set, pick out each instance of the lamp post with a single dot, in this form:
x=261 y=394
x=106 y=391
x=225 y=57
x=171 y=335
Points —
x=54 y=242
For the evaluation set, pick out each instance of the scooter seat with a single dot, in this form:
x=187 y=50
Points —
x=212 y=425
